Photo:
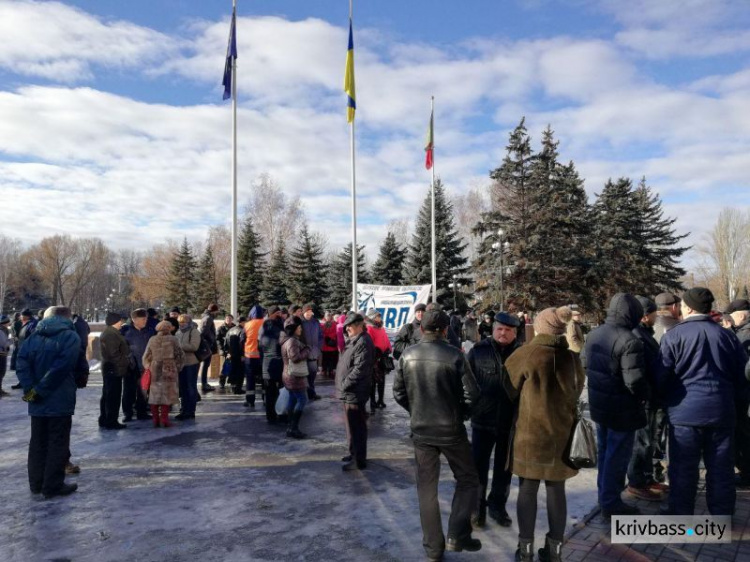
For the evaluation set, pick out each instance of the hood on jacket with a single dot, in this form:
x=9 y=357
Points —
x=625 y=311
x=257 y=312
x=54 y=325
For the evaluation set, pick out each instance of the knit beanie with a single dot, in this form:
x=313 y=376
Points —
x=112 y=318
x=699 y=299
x=648 y=305
x=553 y=321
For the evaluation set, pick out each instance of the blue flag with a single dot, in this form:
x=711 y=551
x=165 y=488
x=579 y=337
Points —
x=231 y=54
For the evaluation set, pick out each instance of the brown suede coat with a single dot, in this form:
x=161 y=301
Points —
x=550 y=379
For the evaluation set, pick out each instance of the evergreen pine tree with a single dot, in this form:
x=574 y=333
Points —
x=340 y=277
x=307 y=270
x=250 y=267
x=388 y=268
x=276 y=281
x=449 y=249
x=181 y=279
x=206 y=288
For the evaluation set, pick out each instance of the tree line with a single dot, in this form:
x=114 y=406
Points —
x=533 y=225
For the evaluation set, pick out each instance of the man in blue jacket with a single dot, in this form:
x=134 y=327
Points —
x=46 y=367
x=701 y=376
x=137 y=335
x=618 y=389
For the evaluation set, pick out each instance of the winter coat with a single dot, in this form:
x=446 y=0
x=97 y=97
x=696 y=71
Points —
x=138 y=341
x=354 y=371
x=46 y=363
x=252 y=331
x=471 y=330
x=164 y=357
x=701 y=374
x=82 y=365
x=235 y=344
x=550 y=379
x=115 y=352
x=293 y=350
x=340 y=334
x=270 y=348
x=615 y=366
x=26 y=330
x=485 y=330
x=650 y=359
x=379 y=337
x=208 y=331
x=574 y=335
x=190 y=341
x=743 y=334
x=496 y=406
x=409 y=334
x=4 y=342
x=664 y=322
x=330 y=338
x=221 y=335
x=435 y=384
x=313 y=335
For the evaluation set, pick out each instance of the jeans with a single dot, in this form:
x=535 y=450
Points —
x=205 y=366
x=615 y=450
x=687 y=444
x=356 y=423
x=482 y=443
x=312 y=369
x=188 y=382
x=132 y=396
x=109 y=405
x=459 y=458
x=297 y=400
x=49 y=451
x=253 y=372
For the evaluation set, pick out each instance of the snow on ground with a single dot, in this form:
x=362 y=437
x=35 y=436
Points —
x=229 y=487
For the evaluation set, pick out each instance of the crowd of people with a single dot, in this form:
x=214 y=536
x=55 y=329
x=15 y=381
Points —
x=667 y=385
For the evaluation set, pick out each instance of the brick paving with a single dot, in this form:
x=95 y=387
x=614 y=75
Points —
x=589 y=541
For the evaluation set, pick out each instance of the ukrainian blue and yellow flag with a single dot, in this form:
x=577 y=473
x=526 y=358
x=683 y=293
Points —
x=351 y=103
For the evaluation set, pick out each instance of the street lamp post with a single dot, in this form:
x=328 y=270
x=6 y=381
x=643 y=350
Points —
x=454 y=292
x=501 y=245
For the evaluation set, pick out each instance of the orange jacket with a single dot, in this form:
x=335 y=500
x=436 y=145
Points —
x=252 y=329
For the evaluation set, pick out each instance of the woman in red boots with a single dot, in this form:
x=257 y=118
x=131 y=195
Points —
x=164 y=357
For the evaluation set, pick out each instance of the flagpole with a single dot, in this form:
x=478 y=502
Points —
x=354 y=204
x=233 y=295
x=434 y=260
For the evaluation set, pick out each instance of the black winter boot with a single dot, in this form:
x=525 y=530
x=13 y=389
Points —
x=552 y=551
x=293 y=430
x=525 y=551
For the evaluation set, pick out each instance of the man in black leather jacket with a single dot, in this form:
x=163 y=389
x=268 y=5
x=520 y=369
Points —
x=435 y=384
x=618 y=390
x=410 y=333
x=492 y=419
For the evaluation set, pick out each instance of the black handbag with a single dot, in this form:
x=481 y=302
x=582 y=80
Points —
x=203 y=352
x=386 y=362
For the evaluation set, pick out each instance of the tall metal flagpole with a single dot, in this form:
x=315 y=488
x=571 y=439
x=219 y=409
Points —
x=233 y=296
x=434 y=252
x=354 y=206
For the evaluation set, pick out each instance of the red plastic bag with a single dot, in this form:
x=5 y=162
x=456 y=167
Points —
x=146 y=380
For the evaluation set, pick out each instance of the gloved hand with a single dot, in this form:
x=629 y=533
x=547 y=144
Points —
x=31 y=396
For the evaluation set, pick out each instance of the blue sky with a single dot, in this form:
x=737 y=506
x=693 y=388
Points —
x=112 y=124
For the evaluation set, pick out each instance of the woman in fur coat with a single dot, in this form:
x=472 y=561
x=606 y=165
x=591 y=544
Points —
x=164 y=357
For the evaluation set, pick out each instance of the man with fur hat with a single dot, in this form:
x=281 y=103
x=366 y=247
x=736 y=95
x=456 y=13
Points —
x=409 y=334
x=492 y=418
x=435 y=384
x=115 y=364
x=354 y=381
x=644 y=471
x=701 y=377
x=618 y=390
x=667 y=314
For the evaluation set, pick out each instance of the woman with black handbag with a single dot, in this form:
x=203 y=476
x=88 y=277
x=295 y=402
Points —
x=549 y=379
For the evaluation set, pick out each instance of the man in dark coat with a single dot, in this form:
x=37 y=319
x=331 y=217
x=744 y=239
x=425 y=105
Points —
x=115 y=365
x=313 y=335
x=642 y=482
x=410 y=333
x=46 y=365
x=137 y=335
x=618 y=391
x=701 y=376
x=14 y=333
x=28 y=323
x=354 y=380
x=739 y=312
x=273 y=366
x=435 y=384
x=208 y=333
x=492 y=418
x=667 y=314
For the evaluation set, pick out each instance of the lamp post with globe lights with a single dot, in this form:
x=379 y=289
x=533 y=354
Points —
x=501 y=246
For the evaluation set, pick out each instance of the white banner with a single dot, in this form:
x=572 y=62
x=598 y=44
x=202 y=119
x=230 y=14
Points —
x=396 y=304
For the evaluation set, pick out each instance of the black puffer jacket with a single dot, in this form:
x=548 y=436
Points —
x=495 y=408
x=354 y=369
x=615 y=367
x=270 y=348
x=208 y=331
x=435 y=384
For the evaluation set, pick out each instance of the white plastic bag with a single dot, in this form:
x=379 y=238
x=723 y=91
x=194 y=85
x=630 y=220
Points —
x=282 y=403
